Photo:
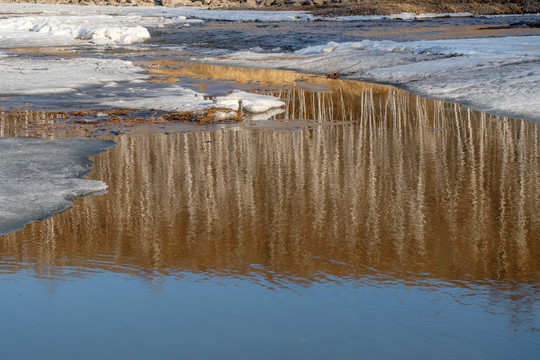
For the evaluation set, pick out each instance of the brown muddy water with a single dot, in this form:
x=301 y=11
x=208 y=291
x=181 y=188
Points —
x=363 y=222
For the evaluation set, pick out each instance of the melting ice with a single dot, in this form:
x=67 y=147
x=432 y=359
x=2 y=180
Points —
x=497 y=75
x=41 y=177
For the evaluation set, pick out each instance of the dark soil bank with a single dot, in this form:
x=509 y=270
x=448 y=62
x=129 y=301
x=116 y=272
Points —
x=335 y=7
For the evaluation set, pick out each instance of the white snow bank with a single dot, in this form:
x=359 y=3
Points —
x=46 y=75
x=42 y=177
x=249 y=102
x=526 y=46
x=68 y=30
x=498 y=75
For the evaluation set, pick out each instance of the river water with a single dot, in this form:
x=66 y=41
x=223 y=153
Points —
x=363 y=222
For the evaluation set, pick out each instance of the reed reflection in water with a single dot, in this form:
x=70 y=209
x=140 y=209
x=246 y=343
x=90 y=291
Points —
x=411 y=188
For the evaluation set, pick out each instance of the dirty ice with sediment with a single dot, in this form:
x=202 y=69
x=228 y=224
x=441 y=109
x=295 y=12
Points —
x=58 y=54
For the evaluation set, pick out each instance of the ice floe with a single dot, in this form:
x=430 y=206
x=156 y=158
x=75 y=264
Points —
x=30 y=76
x=42 y=177
x=172 y=98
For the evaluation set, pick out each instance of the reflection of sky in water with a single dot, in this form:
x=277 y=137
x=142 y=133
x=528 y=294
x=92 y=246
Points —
x=105 y=315
x=410 y=232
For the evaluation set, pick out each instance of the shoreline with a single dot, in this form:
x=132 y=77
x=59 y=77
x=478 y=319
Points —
x=325 y=8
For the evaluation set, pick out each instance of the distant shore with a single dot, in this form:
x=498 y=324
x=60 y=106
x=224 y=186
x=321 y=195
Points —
x=332 y=7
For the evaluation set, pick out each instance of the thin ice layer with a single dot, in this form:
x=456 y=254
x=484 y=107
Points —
x=498 y=75
x=172 y=98
x=30 y=76
x=39 y=177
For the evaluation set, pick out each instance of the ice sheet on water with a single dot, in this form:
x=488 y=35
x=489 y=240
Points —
x=171 y=98
x=39 y=177
x=30 y=76
x=499 y=75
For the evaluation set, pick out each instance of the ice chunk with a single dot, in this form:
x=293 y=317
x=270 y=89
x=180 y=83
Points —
x=115 y=35
x=403 y=16
x=249 y=102
x=39 y=177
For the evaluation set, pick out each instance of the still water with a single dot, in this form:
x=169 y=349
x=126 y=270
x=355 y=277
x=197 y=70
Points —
x=383 y=226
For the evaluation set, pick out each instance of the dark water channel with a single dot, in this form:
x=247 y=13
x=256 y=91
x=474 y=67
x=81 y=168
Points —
x=226 y=36
x=399 y=228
